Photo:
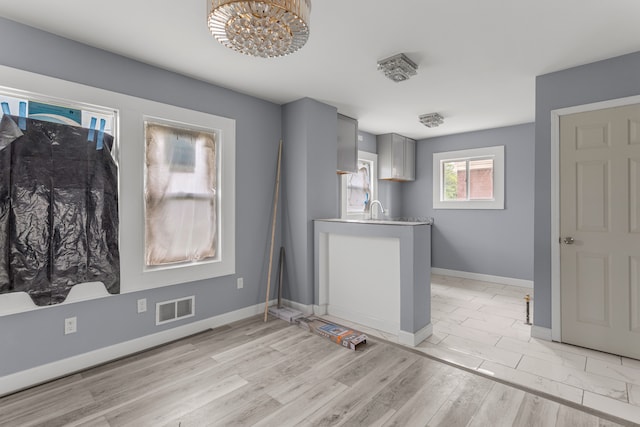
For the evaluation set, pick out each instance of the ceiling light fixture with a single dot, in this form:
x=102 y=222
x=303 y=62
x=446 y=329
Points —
x=398 y=67
x=267 y=28
x=431 y=120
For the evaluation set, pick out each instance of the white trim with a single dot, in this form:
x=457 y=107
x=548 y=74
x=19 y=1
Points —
x=413 y=339
x=541 y=333
x=556 y=307
x=555 y=228
x=306 y=309
x=18 y=302
x=484 y=277
x=601 y=105
x=30 y=377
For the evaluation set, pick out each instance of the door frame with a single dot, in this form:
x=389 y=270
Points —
x=556 y=306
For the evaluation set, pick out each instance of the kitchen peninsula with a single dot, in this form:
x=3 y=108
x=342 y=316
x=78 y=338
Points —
x=376 y=273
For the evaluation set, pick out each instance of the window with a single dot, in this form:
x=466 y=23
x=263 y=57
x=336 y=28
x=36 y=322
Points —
x=59 y=219
x=181 y=194
x=360 y=186
x=130 y=114
x=469 y=179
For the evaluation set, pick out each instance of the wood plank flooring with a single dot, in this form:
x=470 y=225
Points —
x=276 y=374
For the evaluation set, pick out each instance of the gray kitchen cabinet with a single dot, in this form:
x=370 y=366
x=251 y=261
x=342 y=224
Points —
x=347 y=144
x=396 y=157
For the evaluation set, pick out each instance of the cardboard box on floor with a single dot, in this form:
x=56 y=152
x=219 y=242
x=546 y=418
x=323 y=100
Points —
x=339 y=334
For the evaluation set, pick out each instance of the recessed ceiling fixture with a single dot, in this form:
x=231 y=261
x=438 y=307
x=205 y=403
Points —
x=431 y=120
x=398 y=67
x=267 y=28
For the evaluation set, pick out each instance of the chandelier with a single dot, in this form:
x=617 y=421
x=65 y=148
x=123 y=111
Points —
x=267 y=28
x=431 y=120
x=398 y=67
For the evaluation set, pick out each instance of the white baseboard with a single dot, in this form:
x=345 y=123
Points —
x=307 y=310
x=413 y=339
x=541 y=333
x=484 y=277
x=40 y=374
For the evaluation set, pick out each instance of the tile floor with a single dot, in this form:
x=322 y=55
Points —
x=480 y=325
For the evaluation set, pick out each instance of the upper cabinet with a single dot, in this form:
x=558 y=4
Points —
x=396 y=157
x=347 y=144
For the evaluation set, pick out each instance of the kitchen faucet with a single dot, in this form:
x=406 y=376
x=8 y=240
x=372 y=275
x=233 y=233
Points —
x=371 y=208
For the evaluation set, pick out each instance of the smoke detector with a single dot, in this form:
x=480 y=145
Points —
x=398 y=67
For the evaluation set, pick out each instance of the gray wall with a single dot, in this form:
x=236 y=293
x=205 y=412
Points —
x=310 y=187
x=610 y=79
x=494 y=242
x=35 y=338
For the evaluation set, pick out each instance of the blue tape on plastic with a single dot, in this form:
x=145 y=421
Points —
x=92 y=130
x=100 y=142
x=22 y=120
x=5 y=108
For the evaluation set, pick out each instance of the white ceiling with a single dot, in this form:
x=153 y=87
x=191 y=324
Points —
x=477 y=59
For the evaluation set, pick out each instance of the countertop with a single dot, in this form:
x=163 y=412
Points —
x=389 y=221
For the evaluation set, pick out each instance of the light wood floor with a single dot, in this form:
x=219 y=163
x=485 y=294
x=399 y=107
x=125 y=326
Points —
x=276 y=374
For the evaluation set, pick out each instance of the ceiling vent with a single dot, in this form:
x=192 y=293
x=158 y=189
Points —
x=431 y=120
x=398 y=67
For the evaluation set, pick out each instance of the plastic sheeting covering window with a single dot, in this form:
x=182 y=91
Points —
x=181 y=197
x=58 y=209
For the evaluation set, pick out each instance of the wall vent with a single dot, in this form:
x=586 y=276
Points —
x=170 y=311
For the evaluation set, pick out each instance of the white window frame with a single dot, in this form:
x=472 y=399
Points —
x=495 y=152
x=366 y=157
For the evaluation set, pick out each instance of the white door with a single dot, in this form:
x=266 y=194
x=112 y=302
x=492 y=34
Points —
x=600 y=229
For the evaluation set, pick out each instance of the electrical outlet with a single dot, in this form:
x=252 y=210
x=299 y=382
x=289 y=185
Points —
x=70 y=325
x=240 y=283
x=142 y=305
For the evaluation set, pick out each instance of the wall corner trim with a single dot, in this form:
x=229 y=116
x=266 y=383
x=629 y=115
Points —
x=50 y=371
x=541 y=333
x=413 y=339
x=320 y=310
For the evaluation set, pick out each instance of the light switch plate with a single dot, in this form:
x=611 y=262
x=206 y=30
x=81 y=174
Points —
x=142 y=305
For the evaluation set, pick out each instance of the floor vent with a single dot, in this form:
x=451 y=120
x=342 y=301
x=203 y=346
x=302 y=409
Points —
x=170 y=311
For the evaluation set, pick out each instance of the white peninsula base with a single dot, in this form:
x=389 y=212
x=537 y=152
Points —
x=363 y=280
x=375 y=274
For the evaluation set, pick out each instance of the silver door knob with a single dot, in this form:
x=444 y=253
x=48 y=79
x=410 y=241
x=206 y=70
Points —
x=568 y=240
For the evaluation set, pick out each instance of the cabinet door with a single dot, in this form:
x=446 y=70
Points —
x=409 y=159
x=347 y=144
x=397 y=159
x=384 y=156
